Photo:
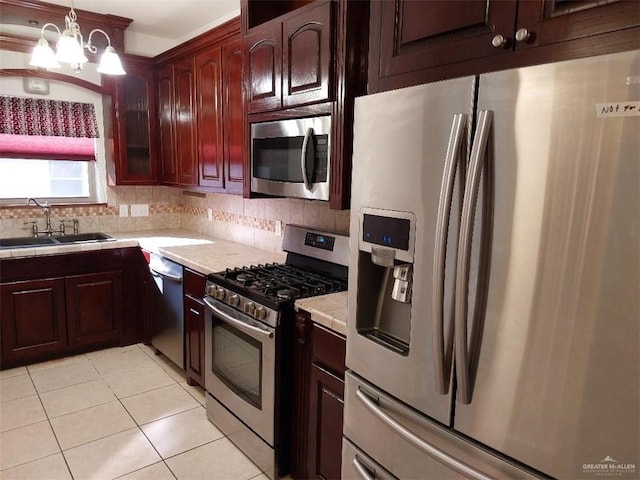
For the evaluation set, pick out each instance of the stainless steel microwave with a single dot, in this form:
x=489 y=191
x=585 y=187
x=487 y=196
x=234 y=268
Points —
x=292 y=158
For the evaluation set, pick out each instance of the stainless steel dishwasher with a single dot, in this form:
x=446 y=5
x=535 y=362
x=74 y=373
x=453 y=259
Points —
x=167 y=321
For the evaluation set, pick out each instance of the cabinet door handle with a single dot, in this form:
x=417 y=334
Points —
x=522 y=35
x=194 y=311
x=498 y=41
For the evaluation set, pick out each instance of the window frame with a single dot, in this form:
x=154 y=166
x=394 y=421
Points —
x=92 y=179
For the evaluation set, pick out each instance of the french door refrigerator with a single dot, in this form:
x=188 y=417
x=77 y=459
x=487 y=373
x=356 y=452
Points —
x=494 y=279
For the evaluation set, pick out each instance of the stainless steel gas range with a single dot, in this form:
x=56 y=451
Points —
x=248 y=341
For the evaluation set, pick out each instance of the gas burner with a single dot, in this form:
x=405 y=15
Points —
x=287 y=294
x=245 y=277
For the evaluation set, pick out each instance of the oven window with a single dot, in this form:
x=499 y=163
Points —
x=278 y=159
x=237 y=361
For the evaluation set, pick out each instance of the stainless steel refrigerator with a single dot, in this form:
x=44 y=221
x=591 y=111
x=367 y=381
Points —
x=494 y=284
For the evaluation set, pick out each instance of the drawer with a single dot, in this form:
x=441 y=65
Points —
x=328 y=349
x=194 y=283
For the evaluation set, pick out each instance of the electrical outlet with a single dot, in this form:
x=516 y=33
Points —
x=279 y=228
x=124 y=210
x=210 y=214
x=139 y=209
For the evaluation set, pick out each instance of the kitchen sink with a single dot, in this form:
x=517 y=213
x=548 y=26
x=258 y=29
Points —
x=26 y=242
x=22 y=242
x=84 y=237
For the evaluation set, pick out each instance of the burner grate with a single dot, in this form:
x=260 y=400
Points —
x=282 y=281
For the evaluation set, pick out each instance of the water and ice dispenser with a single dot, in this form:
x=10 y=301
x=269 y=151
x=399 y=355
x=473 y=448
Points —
x=385 y=277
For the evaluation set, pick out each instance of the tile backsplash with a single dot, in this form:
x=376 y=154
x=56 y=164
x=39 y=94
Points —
x=230 y=217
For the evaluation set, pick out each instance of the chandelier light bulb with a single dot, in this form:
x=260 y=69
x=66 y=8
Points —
x=43 y=55
x=70 y=49
x=110 y=63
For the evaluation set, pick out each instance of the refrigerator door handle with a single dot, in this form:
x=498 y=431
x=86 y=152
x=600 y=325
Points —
x=431 y=450
x=478 y=154
x=362 y=471
x=442 y=360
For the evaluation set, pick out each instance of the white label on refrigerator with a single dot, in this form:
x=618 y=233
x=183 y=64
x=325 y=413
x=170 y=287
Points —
x=618 y=109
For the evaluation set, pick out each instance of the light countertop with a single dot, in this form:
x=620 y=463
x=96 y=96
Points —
x=205 y=255
x=327 y=310
x=193 y=250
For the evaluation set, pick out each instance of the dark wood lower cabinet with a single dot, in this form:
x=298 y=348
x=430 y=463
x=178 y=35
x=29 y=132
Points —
x=194 y=317
x=94 y=308
x=194 y=340
x=57 y=305
x=32 y=319
x=318 y=384
x=326 y=405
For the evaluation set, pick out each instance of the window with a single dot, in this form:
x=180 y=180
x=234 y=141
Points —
x=47 y=150
x=55 y=180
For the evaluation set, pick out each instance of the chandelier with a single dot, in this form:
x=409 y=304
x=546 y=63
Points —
x=70 y=49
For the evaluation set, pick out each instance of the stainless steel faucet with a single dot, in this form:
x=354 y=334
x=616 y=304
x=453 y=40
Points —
x=49 y=231
x=47 y=217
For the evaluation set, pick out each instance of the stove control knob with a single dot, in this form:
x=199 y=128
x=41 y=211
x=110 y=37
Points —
x=260 y=313
x=211 y=290
x=250 y=308
x=234 y=300
x=219 y=293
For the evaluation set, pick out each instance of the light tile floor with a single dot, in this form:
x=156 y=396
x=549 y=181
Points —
x=117 y=413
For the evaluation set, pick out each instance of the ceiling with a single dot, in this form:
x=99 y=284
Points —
x=170 y=19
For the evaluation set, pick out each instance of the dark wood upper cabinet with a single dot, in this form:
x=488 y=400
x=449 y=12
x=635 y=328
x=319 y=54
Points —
x=204 y=115
x=264 y=68
x=290 y=61
x=166 y=140
x=209 y=129
x=233 y=114
x=546 y=22
x=185 y=117
x=135 y=157
x=307 y=58
x=418 y=35
x=220 y=129
x=417 y=42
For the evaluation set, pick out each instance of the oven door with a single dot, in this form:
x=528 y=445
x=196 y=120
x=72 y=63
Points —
x=240 y=360
x=291 y=158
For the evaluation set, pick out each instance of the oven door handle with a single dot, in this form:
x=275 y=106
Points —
x=238 y=323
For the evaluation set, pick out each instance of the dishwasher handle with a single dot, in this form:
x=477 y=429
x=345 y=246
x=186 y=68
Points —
x=168 y=276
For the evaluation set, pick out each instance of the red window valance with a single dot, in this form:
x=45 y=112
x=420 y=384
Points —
x=47 y=148
x=52 y=118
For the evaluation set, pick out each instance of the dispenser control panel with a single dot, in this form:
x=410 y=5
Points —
x=387 y=231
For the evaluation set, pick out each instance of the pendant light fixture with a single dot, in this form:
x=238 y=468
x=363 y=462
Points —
x=70 y=49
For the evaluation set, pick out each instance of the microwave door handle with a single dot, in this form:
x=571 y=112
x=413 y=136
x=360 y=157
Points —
x=303 y=158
